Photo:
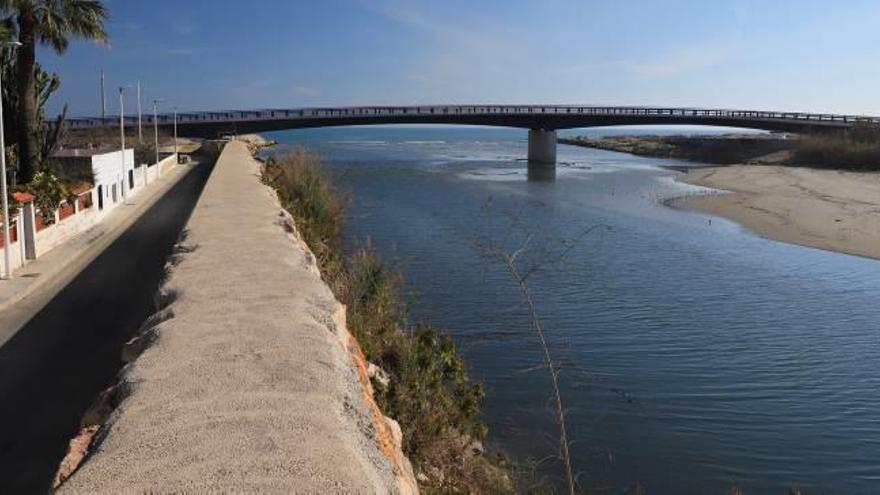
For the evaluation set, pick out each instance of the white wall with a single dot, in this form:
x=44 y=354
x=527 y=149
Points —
x=107 y=168
x=16 y=254
x=150 y=173
x=107 y=171
x=55 y=234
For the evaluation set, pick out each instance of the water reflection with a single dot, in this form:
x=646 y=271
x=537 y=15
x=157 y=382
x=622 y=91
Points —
x=539 y=172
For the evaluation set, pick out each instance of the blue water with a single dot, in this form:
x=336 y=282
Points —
x=695 y=354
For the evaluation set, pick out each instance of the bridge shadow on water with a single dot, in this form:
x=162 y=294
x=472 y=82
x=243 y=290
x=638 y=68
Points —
x=55 y=366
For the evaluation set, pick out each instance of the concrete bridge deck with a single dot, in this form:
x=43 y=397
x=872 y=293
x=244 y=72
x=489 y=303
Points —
x=544 y=120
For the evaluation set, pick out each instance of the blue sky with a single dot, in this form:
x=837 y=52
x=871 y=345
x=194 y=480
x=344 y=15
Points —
x=218 y=54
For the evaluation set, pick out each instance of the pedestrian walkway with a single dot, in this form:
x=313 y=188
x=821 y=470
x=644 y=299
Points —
x=249 y=387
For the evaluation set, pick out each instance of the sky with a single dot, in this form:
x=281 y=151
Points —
x=805 y=55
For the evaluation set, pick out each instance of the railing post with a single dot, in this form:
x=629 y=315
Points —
x=30 y=231
x=19 y=227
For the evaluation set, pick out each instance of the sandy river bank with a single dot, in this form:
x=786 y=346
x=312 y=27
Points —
x=825 y=209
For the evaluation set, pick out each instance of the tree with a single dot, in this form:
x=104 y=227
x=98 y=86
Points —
x=48 y=137
x=47 y=22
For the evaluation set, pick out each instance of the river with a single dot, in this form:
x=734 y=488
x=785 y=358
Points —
x=695 y=354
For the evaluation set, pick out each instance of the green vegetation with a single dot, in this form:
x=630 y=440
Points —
x=428 y=391
x=316 y=208
x=44 y=22
x=857 y=148
x=50 y=191
x=45 y=86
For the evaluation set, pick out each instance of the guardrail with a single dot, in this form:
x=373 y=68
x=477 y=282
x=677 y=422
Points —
x=371 y=112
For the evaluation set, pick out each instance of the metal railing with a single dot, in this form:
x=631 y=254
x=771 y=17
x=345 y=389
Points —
x=373 y=112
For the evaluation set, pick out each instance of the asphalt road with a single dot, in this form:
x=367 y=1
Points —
x=58 y=362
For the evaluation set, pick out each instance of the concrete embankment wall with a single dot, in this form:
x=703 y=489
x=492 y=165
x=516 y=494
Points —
x=250 y=385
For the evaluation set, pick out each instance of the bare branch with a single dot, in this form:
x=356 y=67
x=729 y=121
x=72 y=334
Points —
x=521 y=264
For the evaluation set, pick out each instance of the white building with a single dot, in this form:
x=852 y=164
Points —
x=113 y=182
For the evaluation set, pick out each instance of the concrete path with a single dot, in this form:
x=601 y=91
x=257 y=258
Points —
x=55 y=366
x=34 y=284
x=249 y=387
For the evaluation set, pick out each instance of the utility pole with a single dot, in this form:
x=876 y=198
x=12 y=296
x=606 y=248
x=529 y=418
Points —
x=176 y=157
x=156 y=126
x=103 y=100
x=140 y=129
x=7 y=268
x=122 y=136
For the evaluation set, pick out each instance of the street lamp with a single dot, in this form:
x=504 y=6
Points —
x=140 y=129
x=122 y=135
x=7 y=268
x=156 y=125
x=103 y=102
x=176 y=158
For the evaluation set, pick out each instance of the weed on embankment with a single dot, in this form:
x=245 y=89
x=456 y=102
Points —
x=428 y=390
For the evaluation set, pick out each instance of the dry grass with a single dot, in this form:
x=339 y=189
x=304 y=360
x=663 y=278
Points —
x=857 y=148
x=316 y=207
x=429 y=392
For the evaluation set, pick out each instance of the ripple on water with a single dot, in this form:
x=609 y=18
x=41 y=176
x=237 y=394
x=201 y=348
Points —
x=694 y=354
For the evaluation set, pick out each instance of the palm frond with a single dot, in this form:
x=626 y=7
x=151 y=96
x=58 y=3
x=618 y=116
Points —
x=57 y=20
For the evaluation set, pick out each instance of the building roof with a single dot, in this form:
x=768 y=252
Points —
x=84 y=152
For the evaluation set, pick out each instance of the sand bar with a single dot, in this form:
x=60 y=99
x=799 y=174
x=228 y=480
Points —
x=825 y=209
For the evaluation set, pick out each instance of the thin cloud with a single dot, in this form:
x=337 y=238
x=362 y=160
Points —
x=459 y=57
x=305 y=90
x=184 y=26
x=260 y=83
x=183 y=51
x=133 y=27
x=685 y=60
x=688 y=59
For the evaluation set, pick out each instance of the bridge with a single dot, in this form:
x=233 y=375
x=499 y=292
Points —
x=542 y=121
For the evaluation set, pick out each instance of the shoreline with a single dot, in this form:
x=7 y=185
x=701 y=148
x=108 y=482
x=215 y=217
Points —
x=831 y=210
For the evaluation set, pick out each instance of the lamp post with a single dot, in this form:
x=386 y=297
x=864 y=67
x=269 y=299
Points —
x=7 y=267
x=176 y=158
x=156 y=125
x=122 y=136
x=103 y=101
x=140 y=129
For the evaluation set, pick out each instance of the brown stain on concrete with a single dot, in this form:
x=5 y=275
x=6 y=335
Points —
x=389 y=443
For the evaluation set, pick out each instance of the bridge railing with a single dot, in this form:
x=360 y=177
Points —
x=372 y=112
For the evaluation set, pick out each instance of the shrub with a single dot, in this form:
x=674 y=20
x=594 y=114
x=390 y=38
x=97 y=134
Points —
x=307 y=193
x=144 y=153
x=50 y=192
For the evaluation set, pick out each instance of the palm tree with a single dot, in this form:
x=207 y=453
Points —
x=48 y=22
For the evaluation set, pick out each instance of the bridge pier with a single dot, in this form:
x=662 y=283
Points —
x=542 y=149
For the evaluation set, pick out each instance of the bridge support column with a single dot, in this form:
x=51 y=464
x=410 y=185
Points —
x=542 y=148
